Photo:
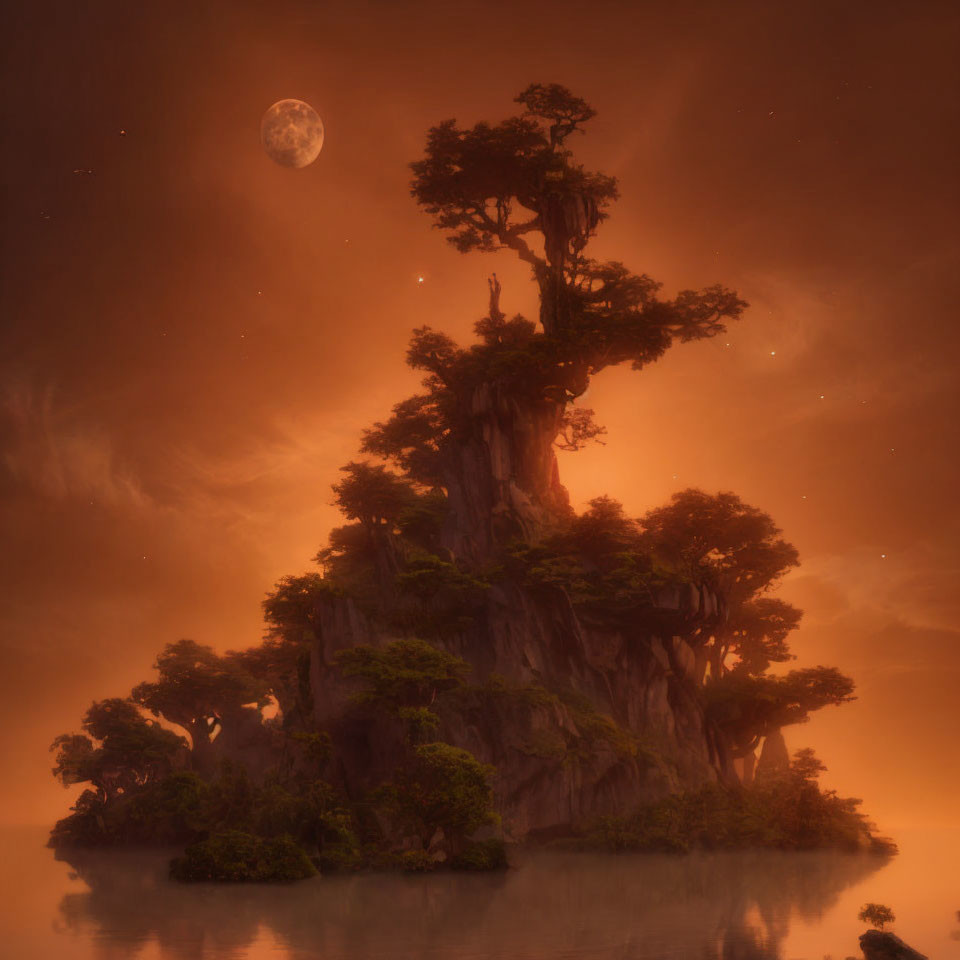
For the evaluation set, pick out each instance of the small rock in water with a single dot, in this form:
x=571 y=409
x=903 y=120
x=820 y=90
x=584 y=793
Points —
x=877 y=945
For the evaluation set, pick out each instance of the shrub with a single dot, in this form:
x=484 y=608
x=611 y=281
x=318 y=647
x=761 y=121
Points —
x=416 y=861
x=789 y=812
x=443 y=787
x=175 y=810
x=481 y=855
x=237 y=857
x=421 y=722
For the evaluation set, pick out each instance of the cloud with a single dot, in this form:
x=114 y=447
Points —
x=50 y=450
x=915 y=585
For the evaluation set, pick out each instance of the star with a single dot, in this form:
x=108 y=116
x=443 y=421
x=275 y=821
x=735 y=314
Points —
x=773 y=353
x=419 y=279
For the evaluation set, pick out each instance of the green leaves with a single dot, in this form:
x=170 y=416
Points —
x=404 y=673
x=234 y=856
x=442 y=787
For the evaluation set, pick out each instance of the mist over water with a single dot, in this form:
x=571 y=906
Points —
x=734 y=906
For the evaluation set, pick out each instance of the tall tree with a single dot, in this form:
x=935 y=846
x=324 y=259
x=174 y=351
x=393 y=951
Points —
x=739 y=551
x=281 y=662
x=200 y=691
x=485 y=425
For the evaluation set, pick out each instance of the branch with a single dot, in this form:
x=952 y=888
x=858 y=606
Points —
x=510 y=236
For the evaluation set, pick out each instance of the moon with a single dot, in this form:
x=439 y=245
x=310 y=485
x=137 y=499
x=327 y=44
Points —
x=291 y=132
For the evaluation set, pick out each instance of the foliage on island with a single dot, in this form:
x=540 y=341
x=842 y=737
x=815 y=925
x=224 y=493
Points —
x=234 y=856
x=459 y=510
x=784 y=810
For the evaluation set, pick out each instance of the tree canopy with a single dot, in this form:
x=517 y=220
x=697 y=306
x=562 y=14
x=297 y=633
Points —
x=444 y=787
x=721 y=538
x=404 y=673
x=372 y=494
x=748 y=708
x=196 y=687
x=131 y=750
x=515 y=185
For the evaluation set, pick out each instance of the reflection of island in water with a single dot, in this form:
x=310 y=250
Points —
x=728 y=906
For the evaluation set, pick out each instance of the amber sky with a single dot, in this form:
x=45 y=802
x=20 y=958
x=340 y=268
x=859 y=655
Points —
x=193 y=337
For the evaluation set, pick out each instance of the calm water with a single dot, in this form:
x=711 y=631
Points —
x=751 y=906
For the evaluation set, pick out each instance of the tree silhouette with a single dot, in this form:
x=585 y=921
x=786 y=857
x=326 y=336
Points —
x=372 y=494
x=131 y=751
x=748 y=708
x=876 y=914
x=756 y=633
x=721 y=538
x=484 y=427
x=515 y=185
x=198 y=690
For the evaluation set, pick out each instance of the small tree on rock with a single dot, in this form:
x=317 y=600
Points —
x=876 y=914
x=443 y=787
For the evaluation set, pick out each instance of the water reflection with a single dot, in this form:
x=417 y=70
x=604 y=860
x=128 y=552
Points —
x=713 y=907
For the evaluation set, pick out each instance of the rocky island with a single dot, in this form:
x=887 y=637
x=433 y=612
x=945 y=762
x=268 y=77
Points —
x=475 y=663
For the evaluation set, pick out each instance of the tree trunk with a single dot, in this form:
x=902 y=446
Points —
x=201 y=754
x=556 y=302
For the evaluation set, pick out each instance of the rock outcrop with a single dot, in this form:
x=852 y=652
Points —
x=501 y=474
x=581 y=716
x=579 y=719
x=883 y=945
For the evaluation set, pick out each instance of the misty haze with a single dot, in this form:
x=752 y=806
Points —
x=477 y=480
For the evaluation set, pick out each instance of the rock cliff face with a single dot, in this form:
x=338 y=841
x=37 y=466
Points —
x=580 y=718
x=627 y=726
x=501 y=472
